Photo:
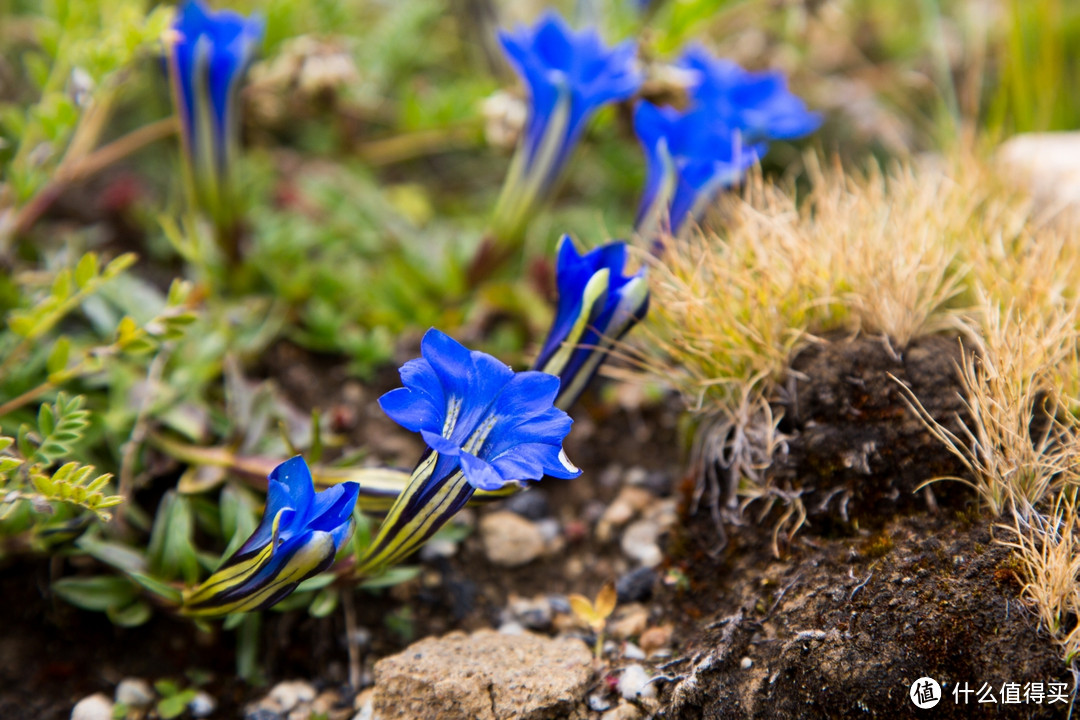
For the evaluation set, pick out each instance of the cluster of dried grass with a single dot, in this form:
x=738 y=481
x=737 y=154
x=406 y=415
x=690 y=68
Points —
x=917 y=249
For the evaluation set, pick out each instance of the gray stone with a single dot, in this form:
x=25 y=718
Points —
x=135 y=693
x=636 y=585
x=640 y=543
x=509 y=539
x=202 y=705
x=483 y=676
x=531 y=504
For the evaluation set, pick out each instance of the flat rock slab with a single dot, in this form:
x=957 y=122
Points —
x=486 y=676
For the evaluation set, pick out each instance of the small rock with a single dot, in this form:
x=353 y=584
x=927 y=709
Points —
x=636 y=585
x=288 y=694
x=639 y=543
x=629 y=502
x=135 y=693
x=632 y=652
x=625 y=711
x=534 y=614
x=257 y=712
x=202 y=705
x=531 y=504
x=746 y=663
x=636 y=476
x=325 y=702
x=634 y=682
x=95 y=707
x=512 y=628
x=1047 y=164
x=659 y=483
x=364 y=698
x=438 y=548
x=598 y=702
x=630 y=622
x=655 y=638
x=665 y=513
x=364 y=705
x=509 y=539
x=483 y=676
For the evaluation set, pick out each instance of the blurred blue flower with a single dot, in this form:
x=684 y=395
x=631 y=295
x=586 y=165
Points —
x=474 y=411
x=569 y=75
x=300 y=534
x=757 y=104
x=689 y=157
x=598 y=304
x=209 y=54
x=692 y=154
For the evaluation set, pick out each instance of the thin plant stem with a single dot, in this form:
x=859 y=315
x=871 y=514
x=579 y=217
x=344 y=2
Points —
x=348 y=605
x=72 y=172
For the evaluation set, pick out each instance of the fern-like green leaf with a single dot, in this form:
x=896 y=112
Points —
x=77 y=485
x=61 y=427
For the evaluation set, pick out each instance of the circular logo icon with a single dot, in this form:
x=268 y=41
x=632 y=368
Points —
x=925 y=693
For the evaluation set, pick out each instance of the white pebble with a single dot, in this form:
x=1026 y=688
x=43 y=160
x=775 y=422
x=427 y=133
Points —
x=634 y=683
x=94 y=707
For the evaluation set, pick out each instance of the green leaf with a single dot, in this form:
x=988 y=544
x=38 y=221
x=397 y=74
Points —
x=86 y=270
x=46 y=420
x=393 y=576
x=114 y=554
x=59 y=355
x=175 y=705
x=325 y=602
x=317 y=582
x=132 y=615
x=119 y=265
x=171 y=551
x=157 y=587
x=61 y=288
x=96 y=593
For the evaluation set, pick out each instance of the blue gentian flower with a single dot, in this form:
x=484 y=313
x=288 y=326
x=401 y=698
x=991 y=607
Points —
x=689 y=157
x=473 y=410
x=300 y=534
x=598 y=304
x=209 y=54
x=757 y=104
x=486 y=427
x=692 y=154
x=569 y=75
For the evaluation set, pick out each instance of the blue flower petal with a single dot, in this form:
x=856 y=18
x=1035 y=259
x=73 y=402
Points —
x=480 y=474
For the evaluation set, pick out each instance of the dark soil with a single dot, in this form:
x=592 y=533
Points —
x=882 y=585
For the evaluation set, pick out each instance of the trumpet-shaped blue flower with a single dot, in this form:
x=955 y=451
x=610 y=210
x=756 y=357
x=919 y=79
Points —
x=473 y=410
x=209 y=54
x=486 y=427
x=598 y=304
x=569 y=75
x=757 y=104
x=300 y=533
x=689 y=157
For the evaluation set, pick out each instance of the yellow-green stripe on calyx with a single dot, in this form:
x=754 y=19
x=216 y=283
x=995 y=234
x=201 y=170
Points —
x=298 y=537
